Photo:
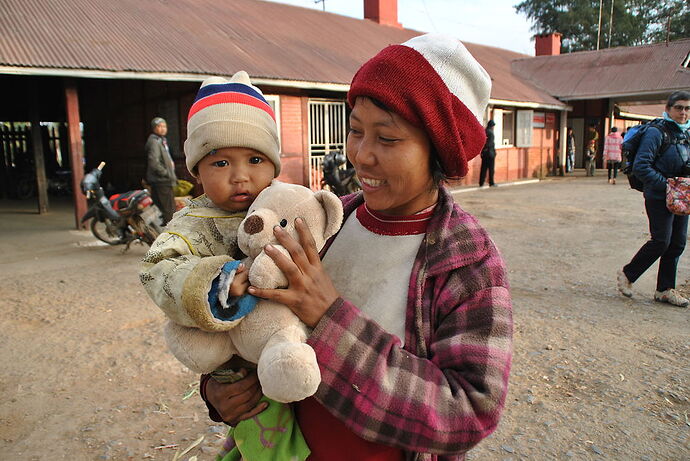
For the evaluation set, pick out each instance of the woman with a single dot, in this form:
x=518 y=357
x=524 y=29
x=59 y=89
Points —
x=488 y=155
x=570 y=156
x=410 y=309
x=613 y=153
x=663 y=153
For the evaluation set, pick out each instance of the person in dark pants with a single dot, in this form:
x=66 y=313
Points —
x=570 y=152
x=160 y=169
x=613 y=153
x=663 y=153
x=488 y=156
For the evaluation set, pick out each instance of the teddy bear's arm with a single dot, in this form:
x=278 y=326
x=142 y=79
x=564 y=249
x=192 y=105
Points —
x=265 y=274
x=201 y=351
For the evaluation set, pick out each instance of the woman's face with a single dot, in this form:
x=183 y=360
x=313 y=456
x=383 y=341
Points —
x=391 y=157
x=679 y=111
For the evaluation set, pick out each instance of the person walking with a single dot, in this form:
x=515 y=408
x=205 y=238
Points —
x=663 y=153
x=592 y=146
x=488 y=156
x=160 y=169
x=613 y=153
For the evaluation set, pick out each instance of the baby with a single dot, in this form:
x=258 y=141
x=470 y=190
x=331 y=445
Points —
x=192 y=271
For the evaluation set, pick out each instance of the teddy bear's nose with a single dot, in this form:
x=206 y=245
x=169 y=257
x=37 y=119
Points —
x=253 y=225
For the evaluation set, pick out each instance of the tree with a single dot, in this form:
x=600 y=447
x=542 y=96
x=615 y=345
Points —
x=635 y=22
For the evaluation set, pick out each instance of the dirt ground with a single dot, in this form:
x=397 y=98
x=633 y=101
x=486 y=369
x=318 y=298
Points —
x=86 y=374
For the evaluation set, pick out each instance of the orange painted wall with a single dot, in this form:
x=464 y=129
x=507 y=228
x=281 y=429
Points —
x=293 y=150
x=513 y=163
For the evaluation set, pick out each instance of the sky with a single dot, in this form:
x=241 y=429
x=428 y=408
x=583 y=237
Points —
x=493 y=23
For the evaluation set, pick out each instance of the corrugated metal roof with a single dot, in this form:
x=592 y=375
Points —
x=649 y=110
x=212 y=37
x=505 y=85
x=648 y=69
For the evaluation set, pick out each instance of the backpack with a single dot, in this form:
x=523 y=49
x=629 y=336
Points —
x=631 y=142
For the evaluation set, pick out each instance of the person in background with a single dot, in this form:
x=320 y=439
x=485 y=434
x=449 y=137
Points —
x=410 y=310
x=160 y=169
x=592 y=146
x=570 y=151
x=663 y=153
x=488 y=156
x=613 y=153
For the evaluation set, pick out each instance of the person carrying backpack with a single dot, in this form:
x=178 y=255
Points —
x=663 y=153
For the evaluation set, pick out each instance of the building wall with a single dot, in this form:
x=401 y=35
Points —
x=591 y=111
x=292 y=122
x=514 y=163
x=116 y=116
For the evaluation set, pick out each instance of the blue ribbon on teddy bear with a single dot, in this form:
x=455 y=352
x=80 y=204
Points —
x=229 y=308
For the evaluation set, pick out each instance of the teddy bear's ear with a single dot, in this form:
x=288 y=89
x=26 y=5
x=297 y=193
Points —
x=334 y=212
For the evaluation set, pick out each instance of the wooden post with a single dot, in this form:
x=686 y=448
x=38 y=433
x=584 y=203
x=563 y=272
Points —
x=563 y=140
x=39 y=160
x=76 y=153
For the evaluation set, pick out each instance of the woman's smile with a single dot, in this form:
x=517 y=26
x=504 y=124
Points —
x=370 y=183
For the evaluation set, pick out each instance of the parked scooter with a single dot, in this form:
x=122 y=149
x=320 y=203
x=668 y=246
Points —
x=122 y=219
x=341 y=181
x=60 y=183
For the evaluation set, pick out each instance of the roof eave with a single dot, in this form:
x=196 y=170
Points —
x=163 y=76
x=622 y=114
x=580 y=97
x=529 y=105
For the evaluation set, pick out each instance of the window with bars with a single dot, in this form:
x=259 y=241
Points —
x=327 y=132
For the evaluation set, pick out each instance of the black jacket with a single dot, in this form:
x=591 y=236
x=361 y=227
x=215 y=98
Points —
x=158 y=167
x=653 y=166
x=489 y=150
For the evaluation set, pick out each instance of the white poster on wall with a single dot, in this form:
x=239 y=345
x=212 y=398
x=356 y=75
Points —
x=538 y=120
x=498 y=128
x=523 y=136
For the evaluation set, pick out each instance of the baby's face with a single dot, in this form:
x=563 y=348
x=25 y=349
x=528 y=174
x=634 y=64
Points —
x=232 y=177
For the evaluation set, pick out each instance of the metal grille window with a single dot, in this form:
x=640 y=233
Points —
x=273 y=100
x=327 y=132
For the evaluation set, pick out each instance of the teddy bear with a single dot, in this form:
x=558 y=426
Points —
x=270 y=335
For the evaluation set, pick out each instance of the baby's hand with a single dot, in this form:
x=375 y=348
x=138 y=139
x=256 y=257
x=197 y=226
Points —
x=240 y=282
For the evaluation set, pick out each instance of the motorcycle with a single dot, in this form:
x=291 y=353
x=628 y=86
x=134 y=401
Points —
x=123 y=218
x=60 y=183
x=341 y=181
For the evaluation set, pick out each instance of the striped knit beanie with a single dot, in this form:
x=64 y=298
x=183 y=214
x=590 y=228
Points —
x=433 y=82
x=230 y=113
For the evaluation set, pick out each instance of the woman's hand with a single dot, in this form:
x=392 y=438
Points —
x=236 y=401
x=310 y=290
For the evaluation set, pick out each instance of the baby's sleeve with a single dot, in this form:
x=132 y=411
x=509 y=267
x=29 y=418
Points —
x=179 y=281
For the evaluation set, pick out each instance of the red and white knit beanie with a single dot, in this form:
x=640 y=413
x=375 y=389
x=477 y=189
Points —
x=231 y=113
x=433 y=82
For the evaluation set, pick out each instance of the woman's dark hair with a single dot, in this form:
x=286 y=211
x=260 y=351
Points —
x=437 y=174
x=677 y=96
x=614 y=129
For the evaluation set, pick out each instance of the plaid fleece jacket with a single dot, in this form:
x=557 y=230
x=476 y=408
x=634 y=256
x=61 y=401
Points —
x=444 y=391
